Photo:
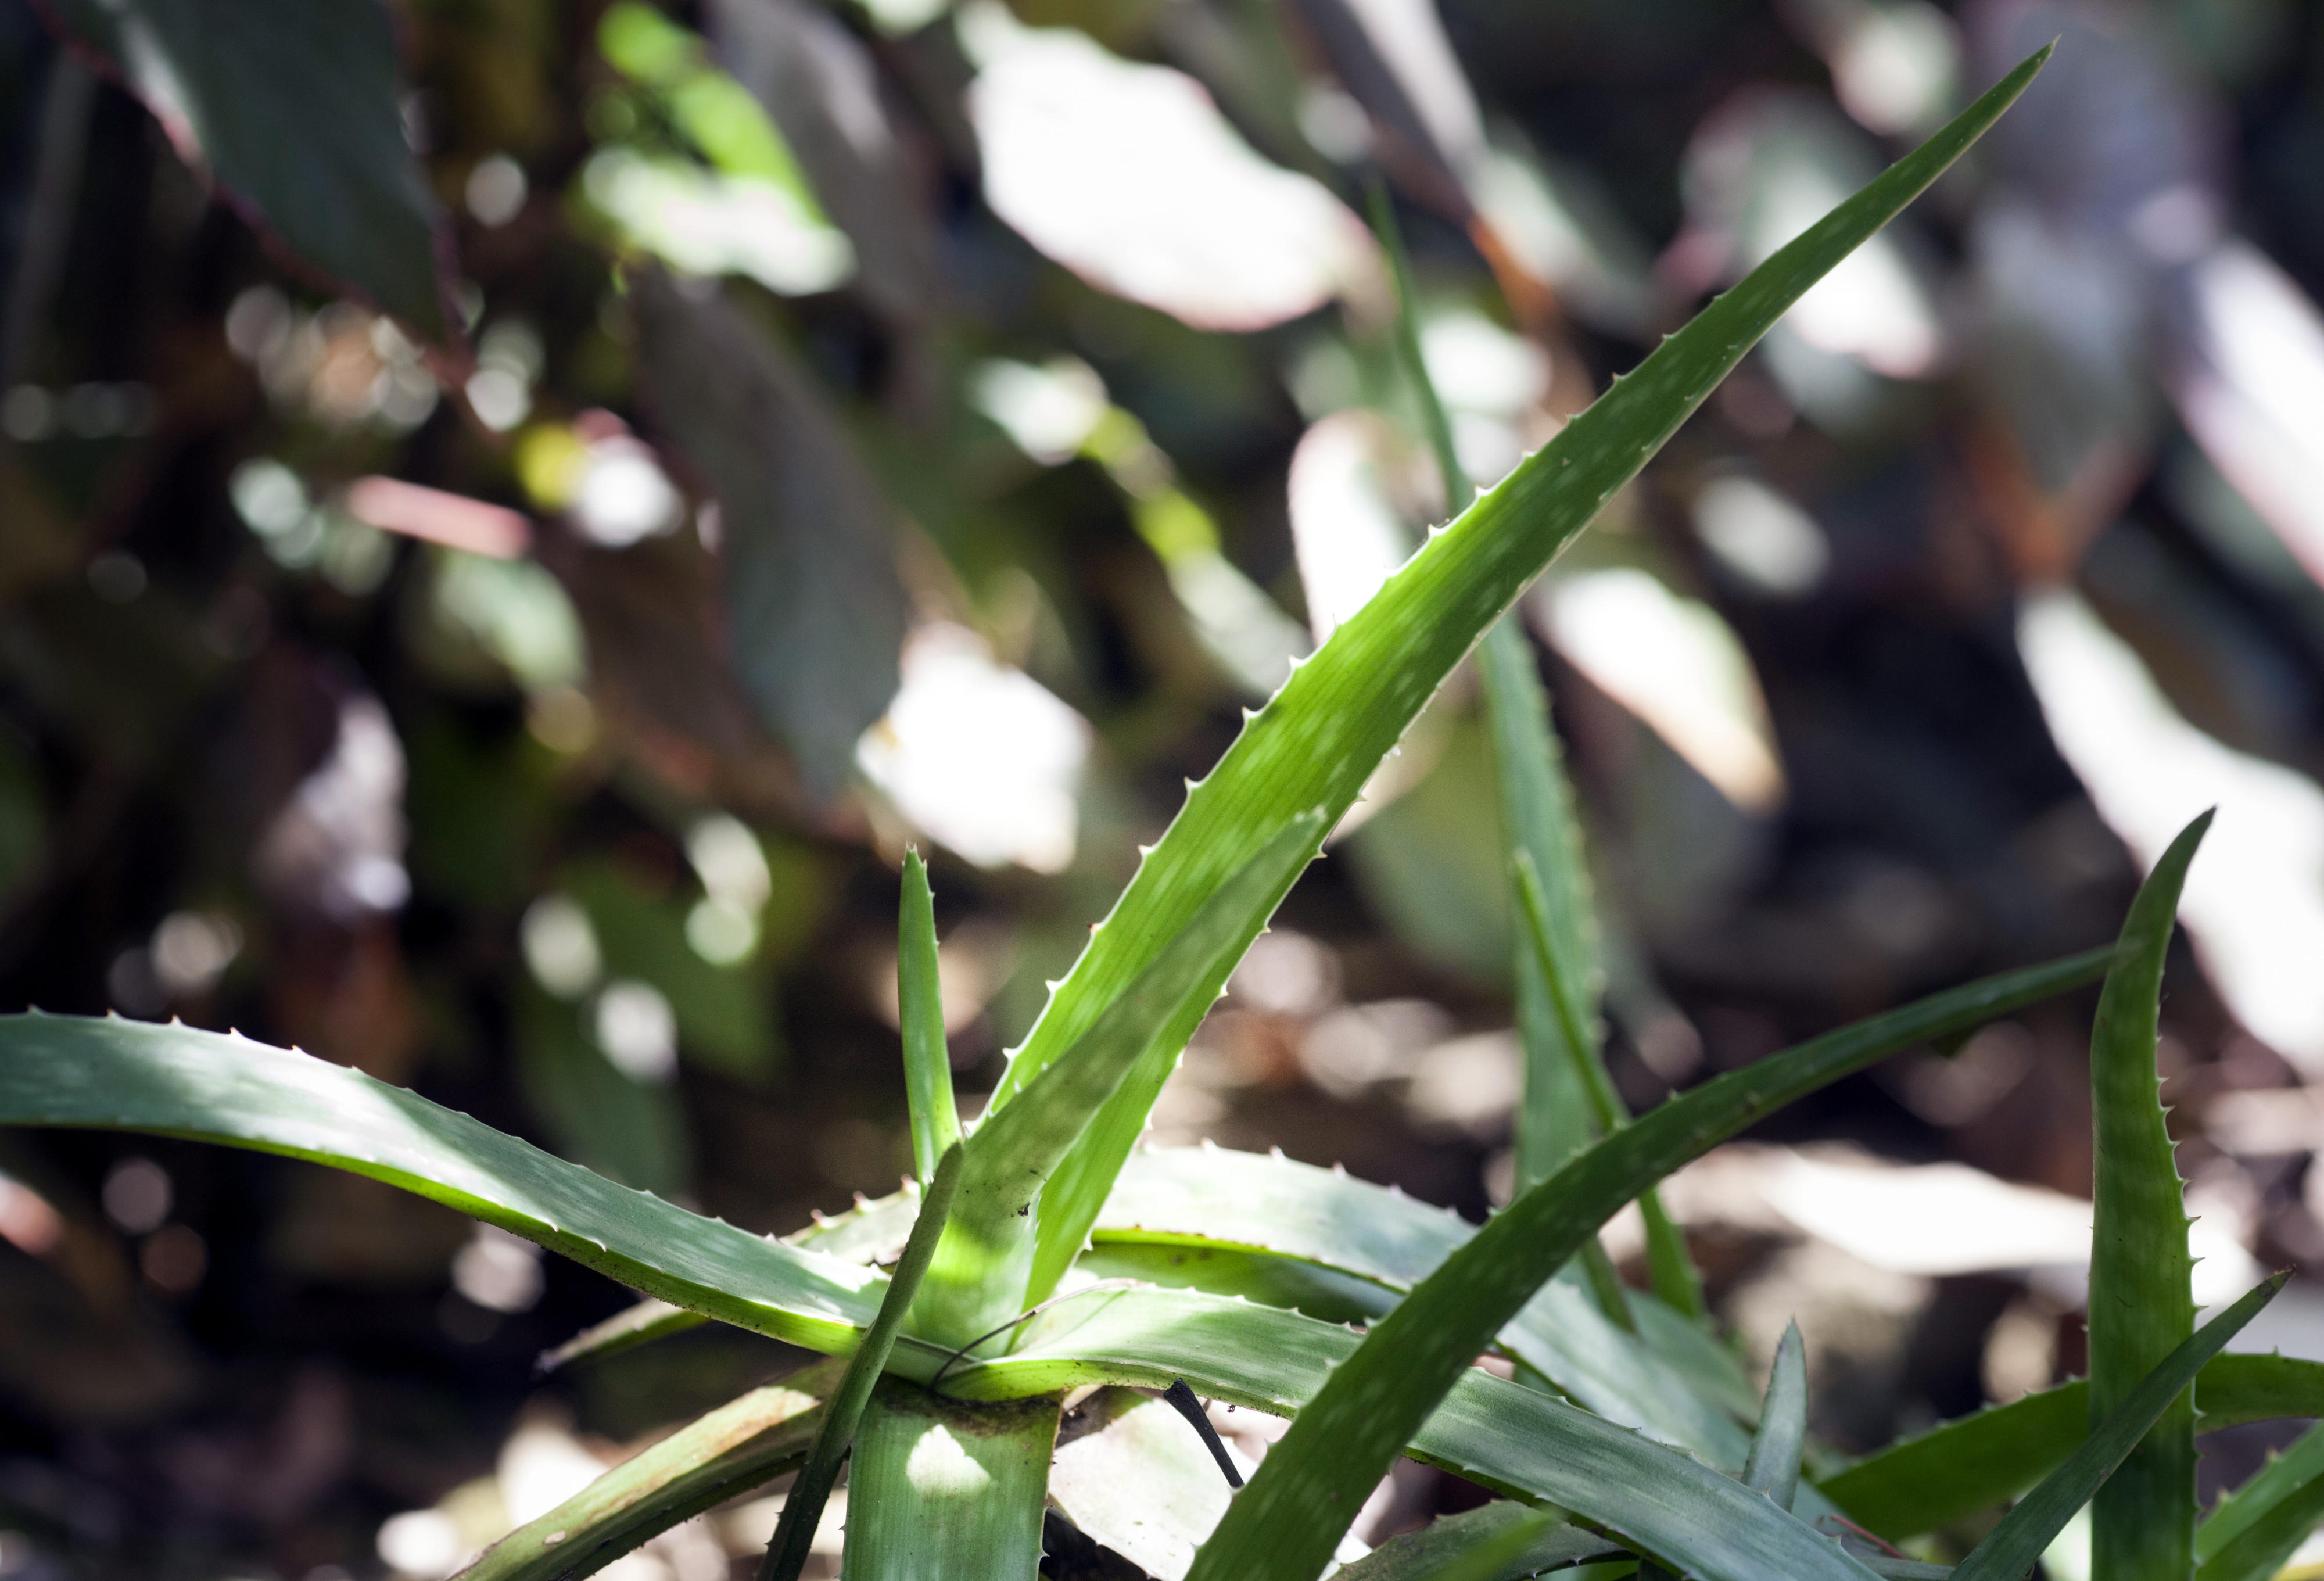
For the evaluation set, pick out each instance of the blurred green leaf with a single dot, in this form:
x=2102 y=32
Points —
x=723 y=1010
x=1499 y=1541
x=298 y=110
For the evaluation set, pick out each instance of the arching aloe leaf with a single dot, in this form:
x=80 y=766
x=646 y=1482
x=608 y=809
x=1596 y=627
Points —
x=927 y=1062
x=133 y=1076
x=1509 y=1438
x=2255 y=1529
x=1319 y=739
x=739 y=1447
x=2141 y=1305
x=1285 y=1523
x=1953 y=1472
x=2009 y=1550
x=1499 y=1541
x=1774 y=1467
x=787 y=1553
x=982 y=1264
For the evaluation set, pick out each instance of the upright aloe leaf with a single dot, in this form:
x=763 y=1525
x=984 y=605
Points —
x=1287 y=1523
x=787 y=1553
x=2010 y=1548
x=941 y=1490
x=927 y=1062
x=1774 y=1467
x=743 y=1445
x=297 y=109
x=1953 y=1472
x=2255 y=1529
x=2142 y=1526
x=1006 y=1197
x=175 y=1081
x=1319 y=739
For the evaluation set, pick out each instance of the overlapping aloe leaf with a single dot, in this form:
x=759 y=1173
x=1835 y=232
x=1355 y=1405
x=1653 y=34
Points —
x=943 y=1489
x=1499 y=1541
x=741 y=1445
x=1509 y=1438
x=2008 y=1551
x=1774 y=1467
x=1955 y=1471
x=1287 y=1521
x=2255 y=1529
x=982 y=1265
x=2141 y=1306
x=1320 y=737
x=1202 y=1203
x=207 y=1087
x=919 y=999
x=787 y=1553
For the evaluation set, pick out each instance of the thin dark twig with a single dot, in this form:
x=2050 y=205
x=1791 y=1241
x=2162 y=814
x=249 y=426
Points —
x=1890 y=1548
x=1181 y=1399
x=1026 y=1316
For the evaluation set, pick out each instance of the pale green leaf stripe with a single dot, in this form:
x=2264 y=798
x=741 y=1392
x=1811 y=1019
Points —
x=1287 y=1523
x=743 y=1445
x=207 y=1086
x=786 y=1554
x=2009 y=1550
x=940 y=1488
x=1207 y=1198
x=1319 y=739
x=1955 y=1471
x=1426 y=1555
x=1006 y=1192
x=2141 y=1305
x=1513 y=1439
x=1774 y=1467
x=927 y=1062
x=2276 y=1483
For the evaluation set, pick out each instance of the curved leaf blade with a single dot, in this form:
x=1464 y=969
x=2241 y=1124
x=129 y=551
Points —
x=1499 y=1541
x=1287 y=1521
x=1774 y=1467
x=2141 y=1304
x=2256 y=1528
x=741 y=1445
x=2010 y=1548
x=208 y=1086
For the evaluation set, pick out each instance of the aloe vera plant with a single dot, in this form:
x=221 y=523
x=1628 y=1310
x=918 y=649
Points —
x=1036 y=1254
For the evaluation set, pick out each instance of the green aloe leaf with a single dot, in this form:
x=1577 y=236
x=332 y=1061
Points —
x=741 y=1445
x=176 y=1081
x=982 y=1265
x=1320 y=737
x=786 y=1554
x=1288 y=1520
x=2010 y=1548
x=2255 y=1529
x=928 y=1061
x=1504 y=1436
x=943 y=1489
x=2141 y=1306
x=1499 y=1541
x=1953 y=1472
x=1774 y=1467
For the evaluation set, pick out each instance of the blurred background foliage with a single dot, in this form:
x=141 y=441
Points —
x=513 y=515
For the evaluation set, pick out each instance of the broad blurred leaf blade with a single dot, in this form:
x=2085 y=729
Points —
x=297 y=110
x=816 y=611
x=2141 y=1305
x=1954 y=1471
x=175 y=1081
x=1287 y=1521
x=786 y=1554
x=1504 y=1436
x=1320 y=738
x=1010 y=1187
x=741 y=1445
x=940 y=1487
x=2009 y=1550
x=919 y=998
x=1774 y=1467
x=2254 y=1529
x=1499 y=1541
